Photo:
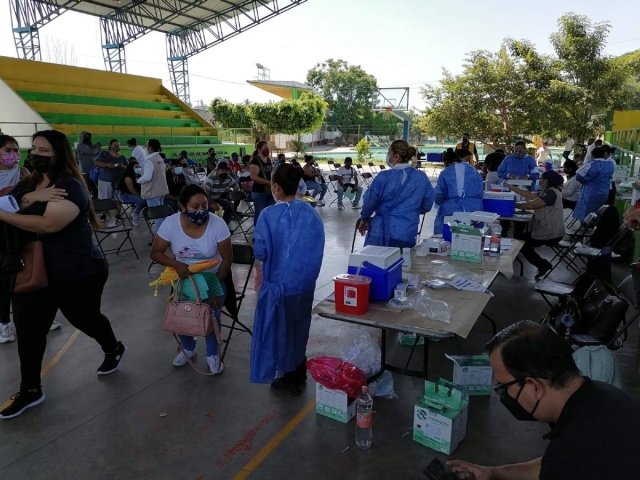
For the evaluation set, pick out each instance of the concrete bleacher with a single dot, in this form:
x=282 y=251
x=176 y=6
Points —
x=73 y=99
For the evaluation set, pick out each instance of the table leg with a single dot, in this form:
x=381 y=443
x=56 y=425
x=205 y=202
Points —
x=521 y=266
x=494 y=327
x=413 y=349
x=425 y=358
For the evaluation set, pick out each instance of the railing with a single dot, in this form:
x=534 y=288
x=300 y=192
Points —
x=236 y=135
x=176 y=135
x=630 y=158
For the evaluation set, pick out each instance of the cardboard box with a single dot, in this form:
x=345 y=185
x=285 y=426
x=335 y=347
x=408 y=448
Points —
x=440 y=418
x=466 y=244
x=334 y=404
x=474 y=372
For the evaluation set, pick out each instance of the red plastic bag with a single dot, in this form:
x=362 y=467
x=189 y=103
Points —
x=336 y=374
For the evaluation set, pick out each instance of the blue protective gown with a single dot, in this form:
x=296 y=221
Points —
x=289 y=240
x=459 y=189
x=397 y=197
x=595 y=177
x=518 y=167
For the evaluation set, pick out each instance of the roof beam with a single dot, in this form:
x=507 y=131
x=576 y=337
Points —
x=220 y=26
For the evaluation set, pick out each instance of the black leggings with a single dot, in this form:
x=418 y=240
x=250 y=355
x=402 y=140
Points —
x=79 y=302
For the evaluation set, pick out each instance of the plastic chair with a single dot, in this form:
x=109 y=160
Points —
x=101 y=234
x=242 y=255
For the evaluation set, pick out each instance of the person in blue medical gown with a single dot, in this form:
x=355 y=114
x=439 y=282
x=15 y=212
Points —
x=395 y=200
x=289 y=240
x=595 y=177
x=459 y=189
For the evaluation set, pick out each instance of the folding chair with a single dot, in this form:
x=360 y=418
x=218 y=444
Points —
x=332 y=168
x=372 y=167
x=241 y=217
x=359 y=171
x=242 y=255
x=151 y=214
x=367 y=178
x=124 y=206
x=355 y=233
x=629 y=290
x=332 y=179
x=382 y=167
x=101 y=234
x=584 y=253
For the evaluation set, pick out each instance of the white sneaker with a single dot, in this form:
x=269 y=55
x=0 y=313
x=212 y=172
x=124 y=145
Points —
x=135 y=219
x=340 y=207
x=6 y=333
x=215 y=365
x=55 y=326
x=181 y=359
x=321 y=203
x=355 y=205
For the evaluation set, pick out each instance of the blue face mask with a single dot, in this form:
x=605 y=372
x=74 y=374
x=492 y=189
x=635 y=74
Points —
x=199 y=217
x=178 y=170
x=137 y=171
x=521 y=154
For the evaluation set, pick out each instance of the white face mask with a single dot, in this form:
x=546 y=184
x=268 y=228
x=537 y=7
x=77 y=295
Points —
x=274 y=196
x=388 y=160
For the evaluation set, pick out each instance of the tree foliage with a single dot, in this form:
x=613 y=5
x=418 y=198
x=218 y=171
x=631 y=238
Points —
x=518 y=92
x=231 y=115
x=348 y=90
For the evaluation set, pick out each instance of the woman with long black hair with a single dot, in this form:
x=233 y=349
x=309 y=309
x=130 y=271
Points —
x=54 y=204
x=260 y=169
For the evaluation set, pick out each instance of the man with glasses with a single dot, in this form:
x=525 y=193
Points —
x=594 y=426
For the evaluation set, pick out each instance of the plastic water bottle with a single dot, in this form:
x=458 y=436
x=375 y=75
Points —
x=494 y=242
x=364 y=418
x=406 y=256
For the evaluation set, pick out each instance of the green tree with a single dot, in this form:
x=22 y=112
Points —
x=590 y=83
x=231 y=115
x=363 y=149
x=348 y=90
x=292 y=117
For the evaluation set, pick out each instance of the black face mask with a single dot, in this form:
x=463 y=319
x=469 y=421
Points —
x=517 y=410
x=41 y=164
x=224 y=176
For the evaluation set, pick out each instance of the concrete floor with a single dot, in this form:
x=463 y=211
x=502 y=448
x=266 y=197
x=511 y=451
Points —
x=215 y=427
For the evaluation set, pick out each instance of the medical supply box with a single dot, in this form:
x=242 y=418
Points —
x=383 y=265
x=502 y=203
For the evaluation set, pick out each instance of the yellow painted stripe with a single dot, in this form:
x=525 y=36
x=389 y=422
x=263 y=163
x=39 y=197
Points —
x=53 y=361
x=274 y=442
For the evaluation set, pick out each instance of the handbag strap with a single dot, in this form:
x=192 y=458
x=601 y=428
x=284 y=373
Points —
x=177 y=291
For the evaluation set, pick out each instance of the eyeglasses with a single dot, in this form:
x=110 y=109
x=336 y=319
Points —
x=501 y=388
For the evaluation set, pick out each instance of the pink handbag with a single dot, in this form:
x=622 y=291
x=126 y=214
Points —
x=193 y=319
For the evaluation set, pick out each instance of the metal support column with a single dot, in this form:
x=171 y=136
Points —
x=27 y=16
x=405 y=129
x=114 y=58
x=179 y=72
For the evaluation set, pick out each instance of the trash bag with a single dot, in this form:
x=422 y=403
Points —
x=336 y=374
x=383 y=387
x=357 y=347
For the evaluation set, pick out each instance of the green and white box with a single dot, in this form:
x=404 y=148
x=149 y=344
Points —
x=466 y=244
x=440 y=418
x=334 y=404
x=474 y=372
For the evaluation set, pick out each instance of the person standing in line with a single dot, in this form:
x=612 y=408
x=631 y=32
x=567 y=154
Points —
x=137 y=151
x=593 y=426
x=572 y=188
x=395 y=200
x=261 y=168
x=153 y=179
x=465 y=144
x=348 y=179
x=568 y=147
x=595 y=177
x=10 y=174
x=111 y=163
x=459 y=189
x=87 y=152
x=54 y=203
x=289 y=240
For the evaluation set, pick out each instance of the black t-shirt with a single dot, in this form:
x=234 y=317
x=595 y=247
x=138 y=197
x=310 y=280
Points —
x=493 y=160
x=597 y=436
x=264 y=171
x=549 y=197
x=70 y=253
x=175 y=183
x=122 y=186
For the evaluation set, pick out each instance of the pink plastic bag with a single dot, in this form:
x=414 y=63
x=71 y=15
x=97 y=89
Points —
x=336 y=374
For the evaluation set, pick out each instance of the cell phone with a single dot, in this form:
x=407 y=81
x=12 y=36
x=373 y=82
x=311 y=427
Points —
x=437 y=470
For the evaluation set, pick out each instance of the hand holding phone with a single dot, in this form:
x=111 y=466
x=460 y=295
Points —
x=437 y=470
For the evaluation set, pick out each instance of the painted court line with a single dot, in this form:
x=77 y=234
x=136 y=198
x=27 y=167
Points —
x=53 y=361
x=274 y=442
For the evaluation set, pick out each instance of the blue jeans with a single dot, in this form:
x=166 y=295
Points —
x=211 y=342
x=318 y=189
x=131 y=198
x=260 y=202
x=155 y=202
x=340 y=191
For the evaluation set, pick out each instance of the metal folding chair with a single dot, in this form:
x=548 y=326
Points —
x=372 y=167
x=333 y=179
x=101 y=234
x=367 y=178
x=242 y=255
x=241 y=217
x=150 y=215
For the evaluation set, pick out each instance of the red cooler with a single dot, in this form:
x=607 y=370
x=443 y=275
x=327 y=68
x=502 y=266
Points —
x=352 y=293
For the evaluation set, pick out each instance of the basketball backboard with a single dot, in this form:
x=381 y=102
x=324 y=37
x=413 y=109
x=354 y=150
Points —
x=391 y=99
